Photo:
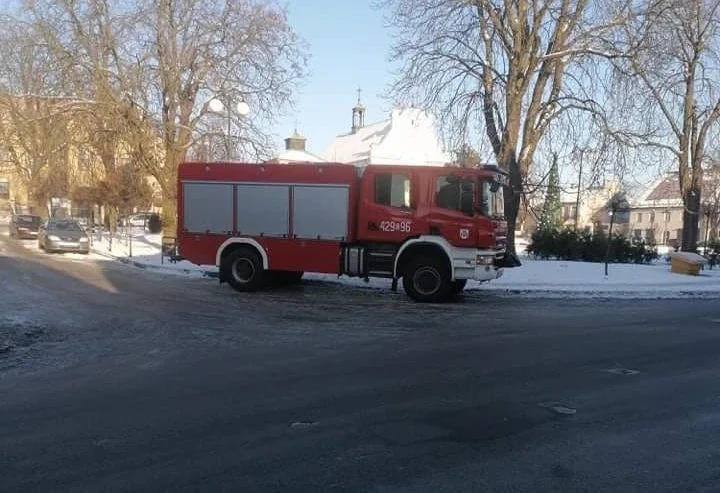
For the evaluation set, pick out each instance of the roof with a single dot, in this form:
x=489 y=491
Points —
x=667 y=188
x=663 y=192
x=353 y=147
x=296 y=156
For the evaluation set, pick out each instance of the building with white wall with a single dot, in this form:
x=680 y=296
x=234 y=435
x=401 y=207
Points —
x=296 y=152
x=408 y=137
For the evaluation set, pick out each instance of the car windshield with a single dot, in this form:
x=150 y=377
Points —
x=33 y=220
x=64 y=226
x=492 y=198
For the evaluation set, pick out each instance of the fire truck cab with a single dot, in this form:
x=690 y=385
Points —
x=434 y=228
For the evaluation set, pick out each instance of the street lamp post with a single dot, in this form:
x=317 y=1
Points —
x=241 y=109
x=617 y=204
x=707 y=218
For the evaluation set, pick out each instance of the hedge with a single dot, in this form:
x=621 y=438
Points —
x=568 y=244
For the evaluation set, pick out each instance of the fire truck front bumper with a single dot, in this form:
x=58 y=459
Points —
x=478 y=265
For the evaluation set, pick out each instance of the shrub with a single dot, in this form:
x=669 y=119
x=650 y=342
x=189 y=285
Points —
x=568 y=244
x=154 y=223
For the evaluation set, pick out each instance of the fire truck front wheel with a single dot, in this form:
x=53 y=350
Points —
x=426 y=280
x=244 y=270
x=458 y=285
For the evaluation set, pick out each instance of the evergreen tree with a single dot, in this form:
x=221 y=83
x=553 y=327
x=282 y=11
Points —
x=551 y=217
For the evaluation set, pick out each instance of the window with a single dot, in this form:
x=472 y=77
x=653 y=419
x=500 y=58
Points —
x=639 y=217
x=84 y=160
x=668 y=216
x=666 y=237
x=637 y=234
x=492 y=198
x=650 y=235
x=392 y=190
x=454 y=193
x=4 y=189
x=652 y=217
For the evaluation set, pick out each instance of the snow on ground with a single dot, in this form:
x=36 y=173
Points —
x=534 y=277
x=142 y=250
x=654 y=280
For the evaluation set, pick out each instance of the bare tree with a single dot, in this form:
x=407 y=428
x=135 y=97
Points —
x=517 y=65
x=711 y=202
x=155 y=65
x=466 y=157
x=672 y=64
x=33 y=128
x=35 y=140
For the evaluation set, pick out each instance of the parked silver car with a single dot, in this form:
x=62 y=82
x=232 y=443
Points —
x=63 y=235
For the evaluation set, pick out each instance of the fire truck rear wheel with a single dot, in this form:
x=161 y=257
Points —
x=244 y=270
x=427 y=280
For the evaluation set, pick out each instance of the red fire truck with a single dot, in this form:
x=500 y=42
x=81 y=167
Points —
x=262 y=224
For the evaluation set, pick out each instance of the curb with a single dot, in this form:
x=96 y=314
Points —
x=597 y=295
x=140 y=265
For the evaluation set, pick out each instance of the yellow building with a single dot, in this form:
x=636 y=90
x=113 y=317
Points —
x=55 y=161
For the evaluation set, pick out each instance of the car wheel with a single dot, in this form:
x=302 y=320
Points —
x=244 y=271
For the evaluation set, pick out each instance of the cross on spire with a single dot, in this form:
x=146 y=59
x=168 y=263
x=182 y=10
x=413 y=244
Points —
x=359 y=91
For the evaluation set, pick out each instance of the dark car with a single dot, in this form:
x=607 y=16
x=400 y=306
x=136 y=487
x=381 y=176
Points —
x=25 y=226
x=63 y=235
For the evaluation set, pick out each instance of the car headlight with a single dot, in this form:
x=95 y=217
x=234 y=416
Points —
x=53 y=238
x=83 y=240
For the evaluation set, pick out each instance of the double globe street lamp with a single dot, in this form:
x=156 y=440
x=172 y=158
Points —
x=240 y=109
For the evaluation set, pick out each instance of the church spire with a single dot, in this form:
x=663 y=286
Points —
x=358 y=114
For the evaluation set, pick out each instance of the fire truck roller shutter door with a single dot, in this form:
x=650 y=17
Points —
x=320 y=212
x=207 y=207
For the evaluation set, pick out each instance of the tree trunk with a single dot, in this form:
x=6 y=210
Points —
x=169 y=208
x=168 y=185
x=512 y=210
x=691 y=203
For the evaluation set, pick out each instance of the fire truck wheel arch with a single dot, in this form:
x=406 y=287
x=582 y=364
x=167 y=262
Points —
x=424 y=245
x=242 y=241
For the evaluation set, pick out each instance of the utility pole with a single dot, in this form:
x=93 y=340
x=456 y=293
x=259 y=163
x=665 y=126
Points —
x=228 y=144
x=579 y=189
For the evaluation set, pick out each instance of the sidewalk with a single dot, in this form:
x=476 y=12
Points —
x=143 y=251
x=538 y=278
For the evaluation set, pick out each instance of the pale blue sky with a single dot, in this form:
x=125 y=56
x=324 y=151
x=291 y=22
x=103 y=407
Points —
x=349 y=48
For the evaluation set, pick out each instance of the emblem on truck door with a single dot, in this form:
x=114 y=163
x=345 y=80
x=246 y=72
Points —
x=464 y=233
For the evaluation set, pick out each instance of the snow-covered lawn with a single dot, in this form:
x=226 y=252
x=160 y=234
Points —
x=537 y=277
x=561 y=277
x=142 y=249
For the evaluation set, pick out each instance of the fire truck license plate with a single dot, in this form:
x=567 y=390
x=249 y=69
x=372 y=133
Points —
x=396 y=226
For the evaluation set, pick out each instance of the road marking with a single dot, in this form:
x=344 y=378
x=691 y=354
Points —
x=302 y=424
x=558 y=407
x=621 y=371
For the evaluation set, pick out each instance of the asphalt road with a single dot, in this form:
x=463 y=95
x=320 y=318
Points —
x=117 y=380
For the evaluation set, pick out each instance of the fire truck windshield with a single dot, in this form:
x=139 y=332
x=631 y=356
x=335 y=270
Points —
x=492 y=198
